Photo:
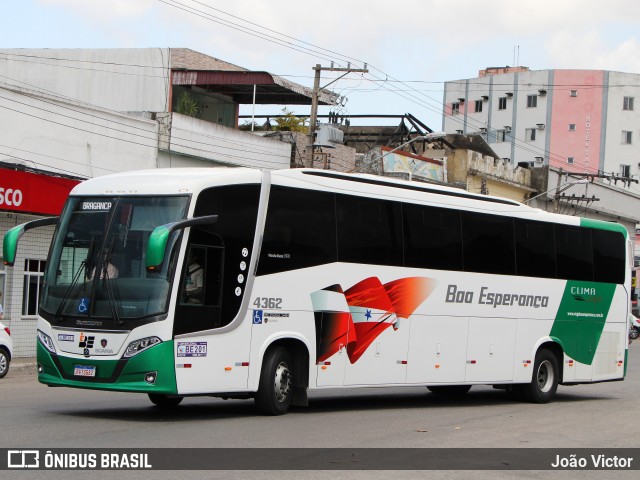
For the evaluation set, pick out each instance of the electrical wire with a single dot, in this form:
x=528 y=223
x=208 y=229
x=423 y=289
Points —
x=322 y=53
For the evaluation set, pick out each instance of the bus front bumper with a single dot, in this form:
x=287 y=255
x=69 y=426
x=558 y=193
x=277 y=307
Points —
x=150 y=371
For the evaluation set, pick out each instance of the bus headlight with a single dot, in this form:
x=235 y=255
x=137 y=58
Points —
x=138 y=346
x=46 y=341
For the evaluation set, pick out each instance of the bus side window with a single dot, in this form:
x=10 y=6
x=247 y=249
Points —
x=369 y=231
x=535 y=249
x=574 y=253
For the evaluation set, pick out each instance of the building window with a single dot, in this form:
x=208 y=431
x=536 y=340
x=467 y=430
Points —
x=573 y=93
x=502 y=103
x=625 y=171
x=33 y=276
x=627 y=103
x=455 y=108
x=626 y=137
x=572 y=127
x=570 y=160
x=530 y=134
x=478 y=106
x=500 y=136
x=532 y=101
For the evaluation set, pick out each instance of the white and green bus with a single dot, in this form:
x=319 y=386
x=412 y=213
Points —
x=311 y=279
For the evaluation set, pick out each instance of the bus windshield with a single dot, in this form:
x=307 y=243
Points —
x=96 y=274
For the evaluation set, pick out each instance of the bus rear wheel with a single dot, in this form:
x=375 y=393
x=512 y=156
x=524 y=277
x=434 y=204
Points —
x=545 y=379
x=449 y=389
x=275 y=390
x=164 y=401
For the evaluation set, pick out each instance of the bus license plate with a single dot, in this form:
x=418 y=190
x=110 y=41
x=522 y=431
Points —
x=84 y=371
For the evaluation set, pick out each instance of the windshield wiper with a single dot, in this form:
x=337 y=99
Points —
x=85 y=264
x=67 y=293
x=104 y=277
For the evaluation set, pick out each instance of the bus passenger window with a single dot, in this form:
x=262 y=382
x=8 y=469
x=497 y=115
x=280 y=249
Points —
x=574 y=253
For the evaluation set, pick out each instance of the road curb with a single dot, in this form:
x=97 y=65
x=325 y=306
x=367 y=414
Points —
x=21 y=366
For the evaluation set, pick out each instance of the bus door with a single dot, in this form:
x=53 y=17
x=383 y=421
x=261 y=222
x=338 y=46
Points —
x=201 y=354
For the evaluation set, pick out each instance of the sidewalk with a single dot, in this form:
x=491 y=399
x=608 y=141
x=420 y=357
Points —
x=22 y=366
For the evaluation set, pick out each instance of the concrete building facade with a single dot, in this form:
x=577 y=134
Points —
x=579 y=120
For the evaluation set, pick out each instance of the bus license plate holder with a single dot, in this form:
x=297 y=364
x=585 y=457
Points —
x=84 y=371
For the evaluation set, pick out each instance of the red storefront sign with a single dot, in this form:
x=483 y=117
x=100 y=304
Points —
x=33 y=192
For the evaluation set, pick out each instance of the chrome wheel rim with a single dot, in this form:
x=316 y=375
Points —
x=282 y=382
x=3 y=364
x=545 y=376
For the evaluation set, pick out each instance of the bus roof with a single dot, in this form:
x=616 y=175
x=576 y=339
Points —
x=165 y=181
x=180 y=181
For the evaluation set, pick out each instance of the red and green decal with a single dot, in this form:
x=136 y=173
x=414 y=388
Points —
x=354 y=317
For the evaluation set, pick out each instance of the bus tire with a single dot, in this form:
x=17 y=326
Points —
x=275 y=390
x=164 y=401
x=450 y=390
x=545 y=379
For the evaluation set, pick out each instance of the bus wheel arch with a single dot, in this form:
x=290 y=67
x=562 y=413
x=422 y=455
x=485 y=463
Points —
x=284 y=377
x=546 y=375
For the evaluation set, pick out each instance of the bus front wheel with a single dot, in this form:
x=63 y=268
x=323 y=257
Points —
x=275 y=390
x=545 y=379
x=164 y=401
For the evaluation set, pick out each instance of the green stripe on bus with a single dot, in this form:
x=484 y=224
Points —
x=581 y=317
x=601 y=225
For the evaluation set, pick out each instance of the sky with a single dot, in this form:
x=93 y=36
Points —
x=411 y=47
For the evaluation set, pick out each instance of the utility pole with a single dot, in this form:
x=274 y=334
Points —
x=313 y=118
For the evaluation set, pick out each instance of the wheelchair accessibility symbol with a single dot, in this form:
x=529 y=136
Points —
x=257 y=317
x=83 y=307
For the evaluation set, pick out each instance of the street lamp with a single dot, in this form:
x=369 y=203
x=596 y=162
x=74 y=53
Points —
x=429 y=137
x=559 y=189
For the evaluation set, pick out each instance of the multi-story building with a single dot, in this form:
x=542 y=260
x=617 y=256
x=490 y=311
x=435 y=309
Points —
x=582 y=121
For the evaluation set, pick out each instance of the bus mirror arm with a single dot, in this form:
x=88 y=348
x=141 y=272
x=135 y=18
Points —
x=160 y=236
x=11 y=238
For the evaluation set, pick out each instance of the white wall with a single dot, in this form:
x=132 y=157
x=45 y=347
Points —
x=622 y=85
x=51 y=135
x=118 y=79
x=220 y=144
x=529 y=83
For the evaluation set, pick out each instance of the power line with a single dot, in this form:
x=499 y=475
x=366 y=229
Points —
x=249 y=31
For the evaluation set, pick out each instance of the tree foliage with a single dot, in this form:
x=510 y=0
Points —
x=288 y=122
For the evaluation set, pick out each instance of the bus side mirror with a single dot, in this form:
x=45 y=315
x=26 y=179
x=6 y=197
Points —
x=11 y=238
x=156 y=248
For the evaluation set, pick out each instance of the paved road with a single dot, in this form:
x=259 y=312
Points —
x=598 y=415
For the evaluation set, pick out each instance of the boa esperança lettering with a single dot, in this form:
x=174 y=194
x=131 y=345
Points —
x=495 y=299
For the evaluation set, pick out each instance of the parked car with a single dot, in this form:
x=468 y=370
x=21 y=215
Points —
x=634 y=328
x=6 y=349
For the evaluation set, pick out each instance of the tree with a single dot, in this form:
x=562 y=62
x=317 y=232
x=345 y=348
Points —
x=187 y=105
x=288 y=122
